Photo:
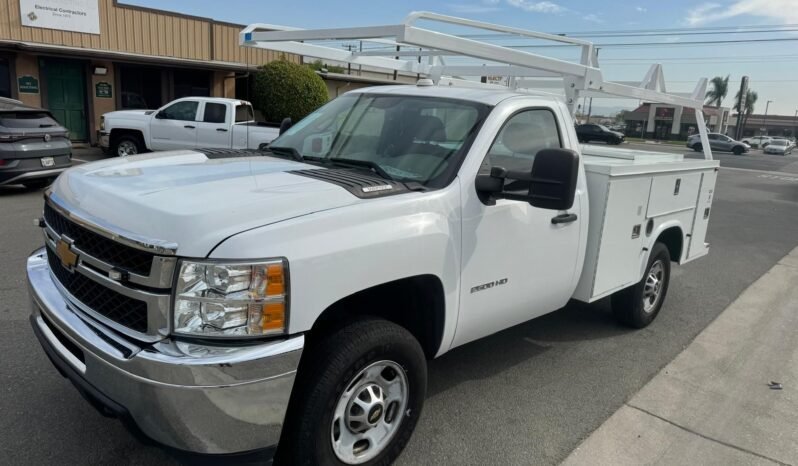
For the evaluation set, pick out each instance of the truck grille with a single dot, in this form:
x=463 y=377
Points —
x=121 y=309
x=104 y=249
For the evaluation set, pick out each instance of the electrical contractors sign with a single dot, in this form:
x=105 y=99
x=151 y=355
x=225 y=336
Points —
x=63 y=15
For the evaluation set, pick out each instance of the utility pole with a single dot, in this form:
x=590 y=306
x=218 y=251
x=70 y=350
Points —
x=349 y=47
x=739 y=130
x=765 y=123
x=794 y=123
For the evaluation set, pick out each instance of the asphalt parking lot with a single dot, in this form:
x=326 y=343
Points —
x=527 y=395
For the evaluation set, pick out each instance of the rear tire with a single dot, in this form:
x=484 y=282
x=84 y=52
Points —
x=357 y=397
x=38 y=183
x=638 y=305
x=126 y=145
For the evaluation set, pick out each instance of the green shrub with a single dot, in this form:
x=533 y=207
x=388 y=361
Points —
x=285 y=89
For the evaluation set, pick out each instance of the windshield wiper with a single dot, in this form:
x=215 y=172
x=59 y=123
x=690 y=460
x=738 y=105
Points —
x=361 y=163
x=289 y=151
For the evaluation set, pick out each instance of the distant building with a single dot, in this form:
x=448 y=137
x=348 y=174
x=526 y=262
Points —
x=659 y=121
x=773 y=125
x=102 y=55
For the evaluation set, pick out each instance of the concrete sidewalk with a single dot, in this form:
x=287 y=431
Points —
x=712 y=404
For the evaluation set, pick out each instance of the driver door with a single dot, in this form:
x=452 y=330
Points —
x=175 y=126
x=516 y=263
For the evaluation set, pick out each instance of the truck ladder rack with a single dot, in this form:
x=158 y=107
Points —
x=526 y=72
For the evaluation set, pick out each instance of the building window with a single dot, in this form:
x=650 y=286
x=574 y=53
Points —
x=192 y=83
x=140 y=87
x=5 y=78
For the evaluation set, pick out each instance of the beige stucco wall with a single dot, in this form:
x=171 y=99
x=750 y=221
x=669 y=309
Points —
x=223 y=84
x=28 y=65
x=101 y=105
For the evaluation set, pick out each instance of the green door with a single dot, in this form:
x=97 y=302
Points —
x=66 y=95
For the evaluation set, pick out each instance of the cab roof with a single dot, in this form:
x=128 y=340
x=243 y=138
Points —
x=486 y=96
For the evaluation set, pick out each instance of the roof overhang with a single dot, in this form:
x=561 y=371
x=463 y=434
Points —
x=81 y=52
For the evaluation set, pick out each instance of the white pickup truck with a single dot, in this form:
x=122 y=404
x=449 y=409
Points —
x=222 y=301
x=185 y=124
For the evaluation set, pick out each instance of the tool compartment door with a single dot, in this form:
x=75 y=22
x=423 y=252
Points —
x=621 y=242
x=698 y=246
x=673 y=193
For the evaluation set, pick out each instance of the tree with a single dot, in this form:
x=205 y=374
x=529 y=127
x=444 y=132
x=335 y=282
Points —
x=317 y=65
x=620 y=117
x=720 y=87
x=285 y=89
x=750 y=102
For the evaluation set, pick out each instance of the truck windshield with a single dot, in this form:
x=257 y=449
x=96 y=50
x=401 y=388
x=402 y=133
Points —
x=410 y=138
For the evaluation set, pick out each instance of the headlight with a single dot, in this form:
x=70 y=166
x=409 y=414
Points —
x=231 y=299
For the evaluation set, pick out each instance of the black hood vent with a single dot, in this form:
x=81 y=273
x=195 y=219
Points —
x=357 y=182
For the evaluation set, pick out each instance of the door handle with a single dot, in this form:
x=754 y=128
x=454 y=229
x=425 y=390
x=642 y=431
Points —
x=563 y=218
x=189 y=127
x=224 y=130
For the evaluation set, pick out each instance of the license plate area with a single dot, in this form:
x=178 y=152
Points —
x=47 y=161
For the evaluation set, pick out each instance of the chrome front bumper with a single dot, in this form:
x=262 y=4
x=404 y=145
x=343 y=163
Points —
x=196 y=398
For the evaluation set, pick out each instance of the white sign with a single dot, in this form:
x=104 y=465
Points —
x=63 y=15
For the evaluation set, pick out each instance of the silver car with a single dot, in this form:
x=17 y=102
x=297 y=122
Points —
x=718 y=142
x=779 y=147
x=34 y=148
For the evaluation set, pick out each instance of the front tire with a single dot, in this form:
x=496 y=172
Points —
x=357 y=397
x=698 y=147
x=127 y=145
x=738 y=150
x=638 y=305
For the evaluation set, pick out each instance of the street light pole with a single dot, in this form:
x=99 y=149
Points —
x=795 y=124
x=765 y=123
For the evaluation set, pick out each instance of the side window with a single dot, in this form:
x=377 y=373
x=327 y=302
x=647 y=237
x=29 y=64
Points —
x=713 y=137
x=522 y=136
x=184 y=111
x=244 y=113
x=215 y=113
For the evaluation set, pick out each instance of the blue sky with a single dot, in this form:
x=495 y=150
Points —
x=771 y=65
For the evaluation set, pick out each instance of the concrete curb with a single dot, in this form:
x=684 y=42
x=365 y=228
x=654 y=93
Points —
x=712 y=404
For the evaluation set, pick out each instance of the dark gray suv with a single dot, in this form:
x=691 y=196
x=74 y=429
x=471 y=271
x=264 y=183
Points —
x=34 y=148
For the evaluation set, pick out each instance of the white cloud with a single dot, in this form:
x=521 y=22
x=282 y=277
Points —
x=592 y=18
x=641 y=9
x=536 y=7
x=784 y=11
x=473 y=8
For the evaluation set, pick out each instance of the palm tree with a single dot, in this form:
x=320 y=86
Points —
x=750 y=102
x=720 y=87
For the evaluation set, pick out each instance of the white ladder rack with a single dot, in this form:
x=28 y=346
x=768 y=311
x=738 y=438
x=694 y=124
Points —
x=525 y=71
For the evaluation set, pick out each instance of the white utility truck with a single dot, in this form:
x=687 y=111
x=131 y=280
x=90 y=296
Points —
x=221 y=301
x=187 y=123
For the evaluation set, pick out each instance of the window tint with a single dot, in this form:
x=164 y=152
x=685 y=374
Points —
x=184 y=111
x=712 y=136
x=215 y=113
x=521 y=138
x=244 y=113
x=27 y=120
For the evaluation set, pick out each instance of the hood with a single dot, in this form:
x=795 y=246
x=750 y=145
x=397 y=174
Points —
x=187 y=198
x=129 y=113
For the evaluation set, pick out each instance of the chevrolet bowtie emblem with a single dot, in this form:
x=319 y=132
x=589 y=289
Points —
x=64 y=252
